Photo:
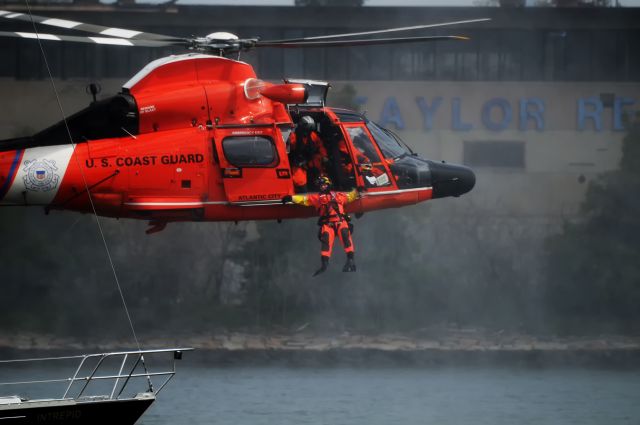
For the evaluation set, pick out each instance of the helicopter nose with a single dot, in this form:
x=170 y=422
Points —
x=450 y=179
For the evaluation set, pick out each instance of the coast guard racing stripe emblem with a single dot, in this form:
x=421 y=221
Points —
x=40 y=175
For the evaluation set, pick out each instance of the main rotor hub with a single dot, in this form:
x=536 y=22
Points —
x=221 y=35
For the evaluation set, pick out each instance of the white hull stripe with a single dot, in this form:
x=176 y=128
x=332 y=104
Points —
x=174 y=204
x=39 y=175
x=201 y=204
x=397 y=192
x=257 y=203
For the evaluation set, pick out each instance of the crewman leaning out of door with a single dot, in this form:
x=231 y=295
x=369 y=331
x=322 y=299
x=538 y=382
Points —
x=333 y=220
x=307 y=151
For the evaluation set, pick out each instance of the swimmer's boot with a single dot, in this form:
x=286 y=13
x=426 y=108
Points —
x=323 y=265
x=350 y=265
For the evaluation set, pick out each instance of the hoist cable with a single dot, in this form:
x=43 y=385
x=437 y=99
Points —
x=84 y=180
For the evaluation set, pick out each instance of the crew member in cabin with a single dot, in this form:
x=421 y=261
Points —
x=308 y=155
x=333 y=221
x=347 y=164
x=364 y=164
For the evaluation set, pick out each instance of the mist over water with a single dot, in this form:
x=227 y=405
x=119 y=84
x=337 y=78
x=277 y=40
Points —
x=541 y=115
x=541 y=104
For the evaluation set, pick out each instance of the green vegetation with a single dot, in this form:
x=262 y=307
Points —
x=594 y=265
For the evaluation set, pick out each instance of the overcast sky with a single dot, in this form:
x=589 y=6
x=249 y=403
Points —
x=631 y=3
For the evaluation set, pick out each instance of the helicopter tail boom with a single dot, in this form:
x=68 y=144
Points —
x=32 y=176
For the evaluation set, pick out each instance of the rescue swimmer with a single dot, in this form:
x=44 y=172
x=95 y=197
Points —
x=333 y=221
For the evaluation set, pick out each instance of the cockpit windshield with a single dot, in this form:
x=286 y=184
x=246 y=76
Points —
x=389 y=145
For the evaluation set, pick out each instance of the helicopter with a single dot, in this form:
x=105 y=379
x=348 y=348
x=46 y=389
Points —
x=199 y=137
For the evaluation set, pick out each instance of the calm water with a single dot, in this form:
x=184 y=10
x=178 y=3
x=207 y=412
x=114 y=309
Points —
x=203 y=394
x=478 y=396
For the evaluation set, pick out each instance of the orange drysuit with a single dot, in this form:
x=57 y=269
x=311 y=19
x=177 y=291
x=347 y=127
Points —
x=333 y=220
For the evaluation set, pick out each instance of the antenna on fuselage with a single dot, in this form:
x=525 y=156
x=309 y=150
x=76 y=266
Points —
x=93 y=89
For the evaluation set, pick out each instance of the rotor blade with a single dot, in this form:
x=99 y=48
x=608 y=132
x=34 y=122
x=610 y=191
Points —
x=79 y=26
x=353 y=34
x=95 y=40
x=364 y=42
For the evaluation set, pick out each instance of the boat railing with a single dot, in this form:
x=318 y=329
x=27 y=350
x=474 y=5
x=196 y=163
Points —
x=130 y=364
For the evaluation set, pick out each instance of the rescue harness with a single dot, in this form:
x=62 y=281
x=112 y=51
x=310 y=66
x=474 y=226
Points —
x=331 y=210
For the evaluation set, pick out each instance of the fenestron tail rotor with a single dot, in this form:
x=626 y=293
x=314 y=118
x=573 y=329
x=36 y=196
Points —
x=219 y=42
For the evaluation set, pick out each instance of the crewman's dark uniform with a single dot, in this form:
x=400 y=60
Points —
x=309 y=155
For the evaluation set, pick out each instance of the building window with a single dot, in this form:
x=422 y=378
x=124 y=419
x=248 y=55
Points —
x=503 y=154
x=249 y=151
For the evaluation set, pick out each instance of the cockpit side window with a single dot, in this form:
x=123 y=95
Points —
x=388 y=145
x=367 y=159
x=362 y=142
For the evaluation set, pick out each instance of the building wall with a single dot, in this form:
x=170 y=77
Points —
x=566 y=132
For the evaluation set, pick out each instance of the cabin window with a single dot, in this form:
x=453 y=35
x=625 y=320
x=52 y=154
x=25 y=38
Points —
x=250 y=151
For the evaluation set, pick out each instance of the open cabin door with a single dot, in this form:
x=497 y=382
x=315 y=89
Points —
x=372 y=172
x=254 y=164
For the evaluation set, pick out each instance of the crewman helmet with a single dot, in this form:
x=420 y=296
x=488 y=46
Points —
x=307 y=123
x=324 y=180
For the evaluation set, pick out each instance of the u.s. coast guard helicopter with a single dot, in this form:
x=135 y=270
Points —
x=199 y=137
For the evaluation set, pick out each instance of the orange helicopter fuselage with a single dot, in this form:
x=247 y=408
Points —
x=198 y=138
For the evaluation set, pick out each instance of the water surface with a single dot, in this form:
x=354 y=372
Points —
x=372 y=396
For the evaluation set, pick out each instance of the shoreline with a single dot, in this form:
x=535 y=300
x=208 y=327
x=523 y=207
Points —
x=239 y=341
x=452 y=347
